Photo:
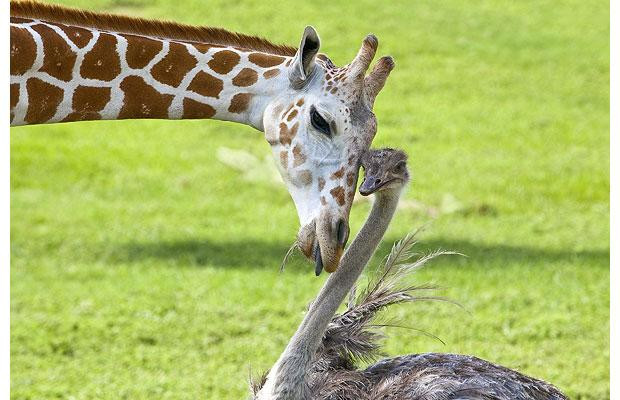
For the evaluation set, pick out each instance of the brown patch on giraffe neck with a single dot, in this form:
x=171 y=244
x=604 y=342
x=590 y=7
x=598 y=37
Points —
x=58 y=58
x=140 y=51
x=43 y=99
x=245 y=77
x=142 y=100
x=206 y=85
x=14 y=98
x=196 y=110
x=79 y=36
x=300 y=102
x=321 y=183
x=338 y=194
x=224 y=61
x=88 y=98
x=102 y=63
x=174 y=66
x=239 y=103
x=23 y=51
x=14 y=94
x=284 y=159
x=16 y=20
x=82 y=116
x=265 y=60
x=271 y=73
x=203 y=47
x=287 y=134
x=298 y=157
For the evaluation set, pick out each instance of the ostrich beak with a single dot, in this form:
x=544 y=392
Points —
x=369 y=186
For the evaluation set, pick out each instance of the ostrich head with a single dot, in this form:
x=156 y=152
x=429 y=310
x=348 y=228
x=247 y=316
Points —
x=383 y=169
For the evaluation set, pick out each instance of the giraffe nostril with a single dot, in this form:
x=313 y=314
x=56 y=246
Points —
x=377 y=182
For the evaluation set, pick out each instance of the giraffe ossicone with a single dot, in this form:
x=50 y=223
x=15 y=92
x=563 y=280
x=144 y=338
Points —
x=73 y=65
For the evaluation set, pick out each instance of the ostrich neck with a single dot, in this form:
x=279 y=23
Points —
x=287 y=378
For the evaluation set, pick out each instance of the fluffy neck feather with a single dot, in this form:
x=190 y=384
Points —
x=286 y=379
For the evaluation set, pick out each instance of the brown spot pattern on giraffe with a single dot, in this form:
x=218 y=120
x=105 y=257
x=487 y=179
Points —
x=300 y=102
x=245 y=77
x=291 y=115
x=204 y=47
x=321 y=183
x=43 y=99
x=338 y=194
x=142 y=100
x=100 y=62
x=14 y=98
x=171 y=69
x=196 y=110
x=224 y=61
x=287 y=134
x=351 y=195
x=350 y=179
x=290 y=107
x=338 y=174
x=79 y=36
x=82 y=116
x=14 y=95
x=89 y=98
x=140 y=51
x=23 y=51
x=323 y=201
x=284 y=159
x=271 y=73
x=304 y=177
x=58 y=58
x=298 y=157
x=18 y=20
x=265 y=60
x=206 y=85
x=239 y=103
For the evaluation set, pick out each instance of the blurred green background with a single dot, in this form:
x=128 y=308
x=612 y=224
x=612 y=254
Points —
x=144 y=266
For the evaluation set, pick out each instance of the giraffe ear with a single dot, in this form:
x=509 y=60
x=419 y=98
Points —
x=303 y=63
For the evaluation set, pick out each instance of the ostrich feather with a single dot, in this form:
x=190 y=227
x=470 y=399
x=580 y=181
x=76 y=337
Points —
x=353 y=336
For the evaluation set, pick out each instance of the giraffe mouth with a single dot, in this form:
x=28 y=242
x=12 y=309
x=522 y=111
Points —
x=318 y=261
x=326 y=253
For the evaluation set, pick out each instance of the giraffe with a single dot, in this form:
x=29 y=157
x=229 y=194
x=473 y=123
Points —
x=74 y=65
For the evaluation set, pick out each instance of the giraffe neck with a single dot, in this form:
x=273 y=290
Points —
x=65 y=73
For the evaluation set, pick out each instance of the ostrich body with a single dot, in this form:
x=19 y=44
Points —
x=319 y=362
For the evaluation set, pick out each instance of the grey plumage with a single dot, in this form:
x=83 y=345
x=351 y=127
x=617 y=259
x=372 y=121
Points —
x=331 y=370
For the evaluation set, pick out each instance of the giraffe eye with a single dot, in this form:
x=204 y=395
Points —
x=319 y=122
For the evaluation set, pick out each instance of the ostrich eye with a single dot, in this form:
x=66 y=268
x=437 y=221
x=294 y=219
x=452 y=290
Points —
x=319 y=122
x=399 y=168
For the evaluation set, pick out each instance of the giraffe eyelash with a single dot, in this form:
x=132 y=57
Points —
x=318 y=122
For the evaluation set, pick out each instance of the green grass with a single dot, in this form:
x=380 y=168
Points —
x=143 y=267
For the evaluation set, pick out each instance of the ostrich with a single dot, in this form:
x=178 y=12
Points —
x=319 y=360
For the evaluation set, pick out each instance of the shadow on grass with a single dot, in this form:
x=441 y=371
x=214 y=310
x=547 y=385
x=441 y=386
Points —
x=255 y=254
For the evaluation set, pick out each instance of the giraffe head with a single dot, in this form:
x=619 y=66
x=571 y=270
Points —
x=318 y=129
